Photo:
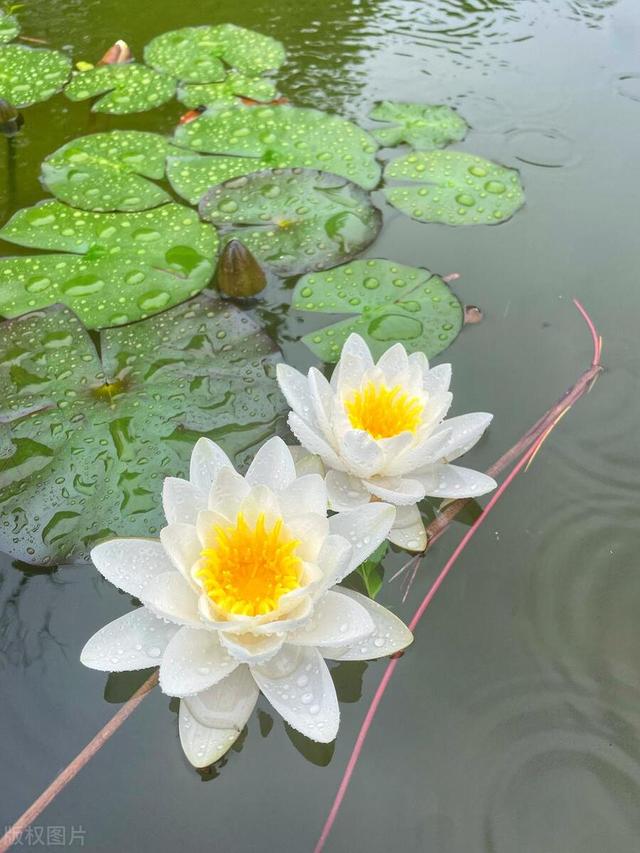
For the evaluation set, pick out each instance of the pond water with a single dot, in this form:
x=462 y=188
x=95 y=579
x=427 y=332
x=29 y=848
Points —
x=513 y=722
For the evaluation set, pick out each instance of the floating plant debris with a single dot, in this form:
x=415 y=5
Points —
x=238 y=274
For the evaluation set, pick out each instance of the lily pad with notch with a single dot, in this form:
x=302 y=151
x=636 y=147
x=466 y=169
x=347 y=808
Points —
x=126 y=88
x=87 y=435
x=294 y=220
x=109 y=171
x=392 y=303
x=31 y=74
x=235 y=85
x=423 y=126
x=110 y=268
x=454 y=188
x=201 y=54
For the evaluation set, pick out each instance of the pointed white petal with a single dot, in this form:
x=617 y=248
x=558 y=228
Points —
x=207 y=459
x=337 y=620
x=227 y=493
x=272 y=466
x=438 y=379
x=361 y=453
x=463 y=433
x=314 y=442
x=295 y=388
x=345 y=492
x=182 y=501
x=400 y=491
x=134 y=641
x=170 y=597
x=203 y=745
x=408 y=529
x=229 y=703
x=305 y=696
x=322 y=400
x=452 y=481
x=183 y=546
x=305 y=494
x=394 y=365
x=130 y=564
x=311 y=530
x=251 y=648
x=356 y=346
x=305 y=462
x=260 y=501
x=365 y=528
x=287 y=619
x=334 y=560
x=426 y=451
x=390 y=634
x=193 y=661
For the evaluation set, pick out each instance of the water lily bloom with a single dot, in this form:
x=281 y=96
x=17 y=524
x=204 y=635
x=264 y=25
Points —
x=239 y=597
x=380 y=431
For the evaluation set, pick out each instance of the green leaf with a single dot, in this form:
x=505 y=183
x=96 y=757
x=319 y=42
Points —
x=454 y=188
x=393 y=303
x=371 y=571
x=109 y=171
x=423 y=126
x=234 y=85
x=255 y=138
x=87 y=436
x=294 y=220
x=30 y=74
x=194 y=54
x=9 y=27
x=121 y=267
x=126 y=88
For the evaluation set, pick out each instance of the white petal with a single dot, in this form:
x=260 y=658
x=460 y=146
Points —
x=182 y=544
x=260 y=501
x=228 y=704
x=365 y=528
x=361 y=453
x=305 y=494
x=356 y=346
x=345 y=492
x=452 y=481
x=400 y=491
x=438 y=379
x=182 y=501
x=314 y=442
x=227 y=493
x=464 y=432
x=287 y=619
x=435 y=411
x=295 y=388
x=390 y=634
x=311 y=530
x=170 y=597
x=251 y=648
x=134 y=641
x=322 y=400
x=426 y=451
x=272 y=466
x=305 y=697
x=408 y=529
x=193 y=661
x=207 y=459
x=130 y=564
x=337 y=620
x=334 y=559
x=203 y=745
x=305 y=462
x=393 y=365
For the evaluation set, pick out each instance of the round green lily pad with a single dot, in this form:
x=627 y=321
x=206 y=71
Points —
x=109 y=171
x=294 y=220
x=391 y=303
x=31 y=74
x=235 y=85
x=454 y=188
x=199 y=54
x=9 y=27
x=248 y=139
x=116 y=267
x=423 y=126
x=88 y=432
x=128 y=88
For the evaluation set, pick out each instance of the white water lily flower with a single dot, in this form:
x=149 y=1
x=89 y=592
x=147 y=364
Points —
x=381 y=433
x=238 y=598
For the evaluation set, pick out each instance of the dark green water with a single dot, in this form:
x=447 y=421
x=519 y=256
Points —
x=513 y=723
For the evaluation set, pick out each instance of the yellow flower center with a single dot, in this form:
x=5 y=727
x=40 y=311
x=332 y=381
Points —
x=248 y=569
x=383 y=412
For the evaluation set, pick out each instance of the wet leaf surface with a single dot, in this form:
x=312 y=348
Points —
x=129 y=88
x=31 y=74
x=454 y=188
x=225 y=93
x=109 y=171
x=393 y=303
x=86 y=439
x=9 y=27
x=423 y=126
x=117 y=267
x=294 y=220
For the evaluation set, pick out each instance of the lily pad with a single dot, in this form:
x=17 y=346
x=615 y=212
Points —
x=294 y=220
x=9 y=27
x=234 y=85
x=109 y=171
x=199 y=54
x=254 y=138
x=87 y=435
x=423 y=126
x=454 y=188
x=121 y=267
x=31 y=74
x=128 y=88
x=392 y=303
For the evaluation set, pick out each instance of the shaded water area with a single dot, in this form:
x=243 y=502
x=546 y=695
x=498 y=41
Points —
x=513 y=722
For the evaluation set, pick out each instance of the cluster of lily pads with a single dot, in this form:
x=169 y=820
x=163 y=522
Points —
x=116 y=354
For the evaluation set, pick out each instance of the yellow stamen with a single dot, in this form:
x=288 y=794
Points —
x=248 y=569
x=383 y=412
